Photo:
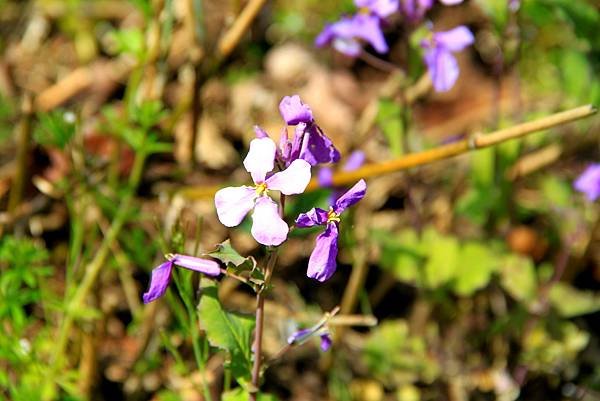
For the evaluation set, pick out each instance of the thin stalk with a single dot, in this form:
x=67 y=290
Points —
x=412 y=160
x=233 y=35
x=93 y=268
x=258 y=331
x=23 y=132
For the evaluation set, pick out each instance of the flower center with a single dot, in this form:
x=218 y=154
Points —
x=364 y=10
x=332 y=216
x=261 y=189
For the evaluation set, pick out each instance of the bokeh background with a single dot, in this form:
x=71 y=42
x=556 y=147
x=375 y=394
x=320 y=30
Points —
x=474 y=278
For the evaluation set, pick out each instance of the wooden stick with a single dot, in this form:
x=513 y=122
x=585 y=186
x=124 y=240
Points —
x=233 y=35
x=477 y=141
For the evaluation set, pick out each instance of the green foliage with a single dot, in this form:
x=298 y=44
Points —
x=394 y=356
x=129 y=41
x=389 y=119
x=518 y=278
x=136 y=127
x=24 y=267
x=437 y=260
x=55 y=128
x=240 y=394
x=570 y=302
x=231 y=332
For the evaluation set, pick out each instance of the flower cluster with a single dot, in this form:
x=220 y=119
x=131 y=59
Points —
x=347 y=34
x=294 y=159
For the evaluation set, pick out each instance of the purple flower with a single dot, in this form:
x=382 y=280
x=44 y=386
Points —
x=322 y=262
x=161 y=275
x=345 y=34
x=303 y=335
x=233 y=203
x=294 y=111
x=310 y=142
x=414 y=10
x=439 y=59
x=589 y=182
x=380 y=8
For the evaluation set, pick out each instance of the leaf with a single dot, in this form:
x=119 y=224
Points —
x=518 y=278
x=228 y=331
x=389 y=119
x=571 y=302
x=227 y=254
x=443 y=259
x=240 y=394
x=477 y=263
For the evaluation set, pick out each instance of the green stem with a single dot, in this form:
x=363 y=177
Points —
x=93 y=268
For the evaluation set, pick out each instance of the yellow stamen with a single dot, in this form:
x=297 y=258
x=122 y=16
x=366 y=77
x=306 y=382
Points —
x=364 y=10
x=332 y=216
x=261 y=189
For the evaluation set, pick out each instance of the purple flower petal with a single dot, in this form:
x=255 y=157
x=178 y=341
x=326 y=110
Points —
x=443 y=68
x=354 y=161
x=343 y=34
x=325 y=177
x=317 y=147
x=267 y=226
x=381 y=8
x=322 y=264
x=161 y=277
x=299 y=335
x=353 y=195
x=314 y=217
x=233 y=203
x=291 y=181
x=206 y=266
x=589 y=182
x=348 y=46
x=293 y=111
x=368 y=28
x=455 y=39
x=414 y=10
x=451 y=2
x=260 y=158
x=260 y=133
x=326 y=342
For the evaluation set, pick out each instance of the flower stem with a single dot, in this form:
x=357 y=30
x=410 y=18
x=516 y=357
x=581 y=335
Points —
x=258 y=331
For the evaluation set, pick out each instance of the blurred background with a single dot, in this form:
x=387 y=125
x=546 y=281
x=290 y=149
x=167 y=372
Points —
x=473 y=278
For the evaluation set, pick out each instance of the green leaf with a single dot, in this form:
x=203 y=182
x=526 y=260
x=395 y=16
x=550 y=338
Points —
x=477 y=263
x=389 y=120
x=227 y=330
x=570 y=302
x=403 y=258
x=518 y=278
x=240 y=394
x=443 y=259
x=227 y=254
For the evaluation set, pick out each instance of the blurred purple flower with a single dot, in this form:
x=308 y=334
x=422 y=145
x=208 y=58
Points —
x=414 y=10
x=325 y=174
x=161 y=275
x=380 y=8
x=345 y=34
x=442 y=66
x=233 y=203
x=589 y=182
x=322 y=262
